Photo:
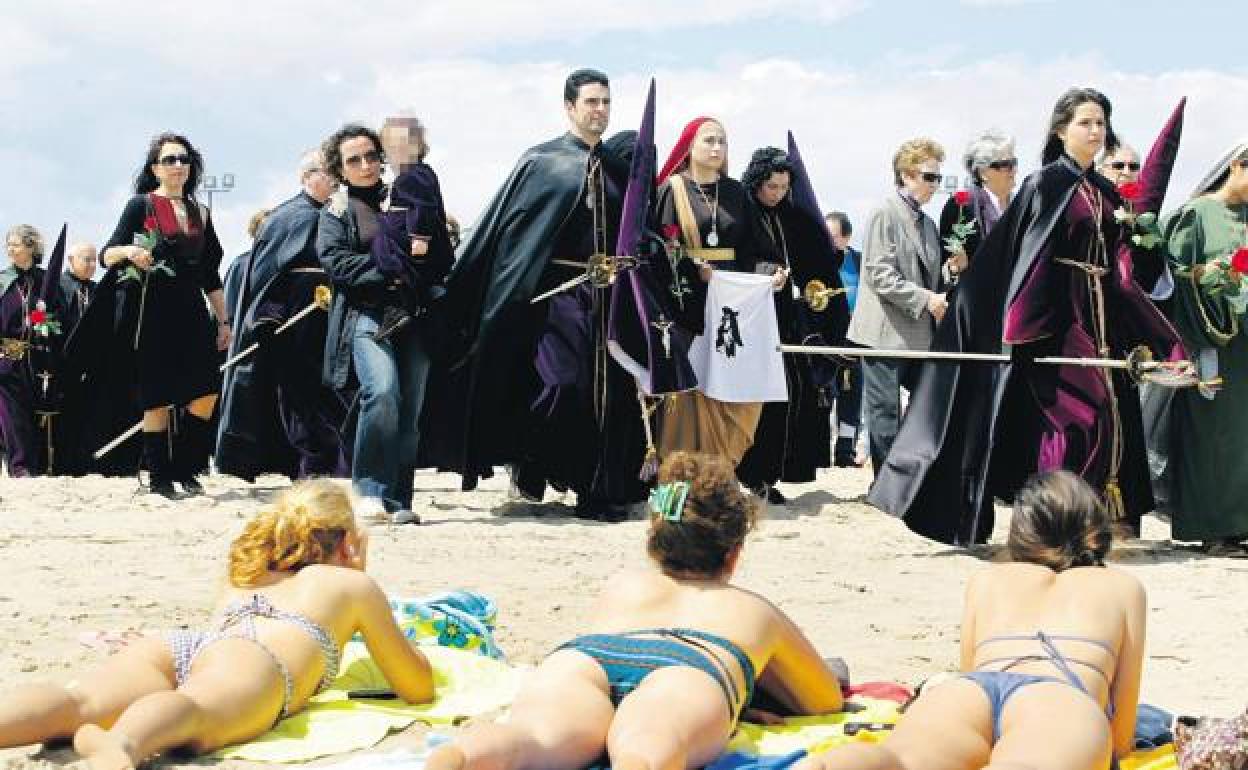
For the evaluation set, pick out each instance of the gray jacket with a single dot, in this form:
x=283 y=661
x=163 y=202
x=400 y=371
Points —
x=900 y=272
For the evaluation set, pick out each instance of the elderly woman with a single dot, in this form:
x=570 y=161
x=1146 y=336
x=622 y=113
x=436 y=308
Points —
x=900 y=300
x=20 y=285
x=1120 y=164
x=991 y=165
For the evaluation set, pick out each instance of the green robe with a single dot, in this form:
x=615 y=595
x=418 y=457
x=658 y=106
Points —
x=1209 y=438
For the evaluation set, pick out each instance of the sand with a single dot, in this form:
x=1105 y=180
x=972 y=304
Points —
x=79 y=555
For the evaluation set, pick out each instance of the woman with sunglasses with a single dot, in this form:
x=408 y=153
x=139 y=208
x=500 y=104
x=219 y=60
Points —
x=991 y=166
x=1053 y=279
x=1120 y=164
x=162 y=261
x=900 y=301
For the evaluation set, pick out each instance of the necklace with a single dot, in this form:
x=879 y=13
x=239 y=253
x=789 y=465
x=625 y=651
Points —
x=712 y=238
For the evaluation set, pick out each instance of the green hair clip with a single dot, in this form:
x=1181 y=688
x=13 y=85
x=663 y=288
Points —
x=668 y=500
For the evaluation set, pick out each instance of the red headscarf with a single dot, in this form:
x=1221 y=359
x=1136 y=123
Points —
x=681 y=151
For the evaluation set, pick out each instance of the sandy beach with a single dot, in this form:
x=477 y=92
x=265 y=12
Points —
x=81 y=555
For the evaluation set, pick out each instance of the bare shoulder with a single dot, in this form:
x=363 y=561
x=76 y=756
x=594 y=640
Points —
x=329 y=578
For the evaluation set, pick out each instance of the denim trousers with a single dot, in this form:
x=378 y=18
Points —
x=393 y=374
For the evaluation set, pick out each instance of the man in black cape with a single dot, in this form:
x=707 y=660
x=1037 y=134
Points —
x=276 y=415
x=531 y=385
x=963 y=440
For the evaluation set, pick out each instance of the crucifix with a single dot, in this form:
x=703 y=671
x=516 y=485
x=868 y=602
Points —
x=45 y=376
x=664 y=327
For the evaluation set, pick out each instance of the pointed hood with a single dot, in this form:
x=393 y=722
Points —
x=636 y=206
x=50 y=292
x=1155 y=173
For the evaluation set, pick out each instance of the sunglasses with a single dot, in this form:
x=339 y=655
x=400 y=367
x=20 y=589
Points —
x=931 y=177
x=175 y=160
x=370 y=157
x=1009 y=164
x=1121 y=165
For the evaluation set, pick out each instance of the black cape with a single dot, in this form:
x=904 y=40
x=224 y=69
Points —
x=251 y=439
x=470 y=419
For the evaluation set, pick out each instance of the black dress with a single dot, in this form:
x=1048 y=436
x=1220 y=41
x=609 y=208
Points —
x=162 y=315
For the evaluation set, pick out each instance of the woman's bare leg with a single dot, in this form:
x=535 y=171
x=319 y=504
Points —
x=559 y=720
x=233 y=693
x=677 y=718
x=1038 y=712
x=41 y=712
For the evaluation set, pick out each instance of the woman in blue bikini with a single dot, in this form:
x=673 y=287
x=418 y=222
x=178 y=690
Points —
x=673 y=655
x=297 y=592
x=1052 y=650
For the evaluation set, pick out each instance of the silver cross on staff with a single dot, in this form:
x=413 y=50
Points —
x=664 y=327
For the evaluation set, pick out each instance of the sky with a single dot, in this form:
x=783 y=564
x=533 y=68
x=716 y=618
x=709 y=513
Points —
x=85 y=84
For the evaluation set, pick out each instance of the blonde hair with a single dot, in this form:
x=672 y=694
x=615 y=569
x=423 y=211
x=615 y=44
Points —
x=304 y=525
x=912 y=154
x=257 y=221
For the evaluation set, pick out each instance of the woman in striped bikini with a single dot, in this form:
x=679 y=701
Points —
x=673 y=653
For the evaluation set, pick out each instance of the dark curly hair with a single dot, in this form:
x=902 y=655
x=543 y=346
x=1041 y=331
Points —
x=716 y=517
x=1064 y=113
x=145 y=181
x=1059 y=522
x=330 y=148
x=763 y=163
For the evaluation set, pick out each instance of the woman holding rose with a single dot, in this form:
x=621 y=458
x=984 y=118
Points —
x=991 y=166
x=162 y=260
x=1208 y=503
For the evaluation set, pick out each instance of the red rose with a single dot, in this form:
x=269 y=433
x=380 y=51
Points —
x=671 y=232
x=1129 y=190
x=962 y=197
x=149 y=223
x=37 y=317
x=1239 y=261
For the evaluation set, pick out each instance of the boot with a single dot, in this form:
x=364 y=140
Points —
x=159 y=468
x=191 y=447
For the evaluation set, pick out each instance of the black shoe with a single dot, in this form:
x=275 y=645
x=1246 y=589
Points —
x=156 y=459
x=597 y=510
x=775 y=497
x=191 y=447
x=844 y=454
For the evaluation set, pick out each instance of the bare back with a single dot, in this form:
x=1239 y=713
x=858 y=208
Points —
x=1094 y=616
x=792 y=669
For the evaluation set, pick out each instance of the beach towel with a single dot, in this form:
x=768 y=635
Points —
x=467 y=684
x=459 y=619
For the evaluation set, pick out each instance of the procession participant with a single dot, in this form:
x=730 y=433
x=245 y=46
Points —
x=793 y=438
x=900 y=298
x=234 y=273
x=1207 y=429
x=533 y=385
x=706 y=212
x=1120 y=164
x=846 y=452
x=20 y=286
x=276 y=414
x=1054 y=278
x=391 y=364
x=76 y=283
x=157 y=351
x=991 y=166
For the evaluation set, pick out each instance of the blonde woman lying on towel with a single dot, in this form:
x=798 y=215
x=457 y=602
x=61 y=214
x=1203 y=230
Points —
x=1052 y=647
x=297 y=592
x=672 y=654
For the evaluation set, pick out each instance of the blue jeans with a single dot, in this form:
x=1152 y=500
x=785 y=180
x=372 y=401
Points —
x=392 y=374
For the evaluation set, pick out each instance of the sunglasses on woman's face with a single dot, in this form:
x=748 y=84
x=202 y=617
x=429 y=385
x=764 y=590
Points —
x=931 y=177
x=1122 y=165
x=175 y=160
x=370 y=157
x=1009 y=164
